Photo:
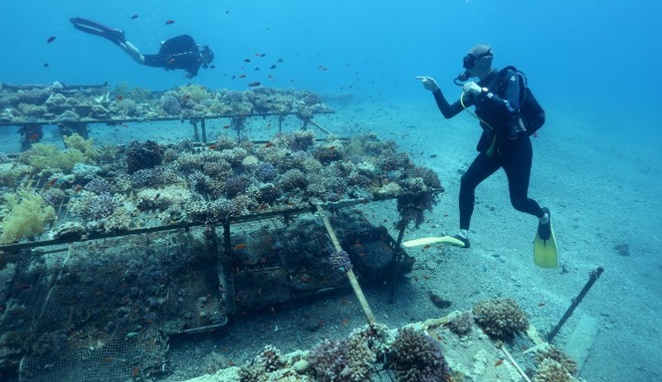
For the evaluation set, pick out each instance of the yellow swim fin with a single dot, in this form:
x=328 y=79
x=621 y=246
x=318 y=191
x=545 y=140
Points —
x=545 y=252
x=433 y=240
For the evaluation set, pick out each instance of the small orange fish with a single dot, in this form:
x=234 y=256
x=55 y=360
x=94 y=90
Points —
x=50 y=40
x=213 y=147
x=168 y=22
x=52 y=181
x=78 y=188
x=239 y=246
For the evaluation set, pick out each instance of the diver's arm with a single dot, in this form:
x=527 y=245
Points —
x=449 y=110
x=132 y=51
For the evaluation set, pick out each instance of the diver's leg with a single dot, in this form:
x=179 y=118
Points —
x=517 y=165
x=479 y=170
x=132 y=51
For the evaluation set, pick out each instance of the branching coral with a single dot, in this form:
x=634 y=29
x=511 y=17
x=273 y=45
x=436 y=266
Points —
x=552 y=371
x=265 y=172
x=416 y=357
x=145 y=155
x=303 y=140
x=170 y=105
x=93 y=207
x=348 y=360
x=557 y=355
x=500 y=318
x=461 y=324
x=412 y=207
x=293 y=180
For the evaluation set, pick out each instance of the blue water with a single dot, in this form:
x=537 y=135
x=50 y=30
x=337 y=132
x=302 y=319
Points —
x=596 y=51
x=599 y=59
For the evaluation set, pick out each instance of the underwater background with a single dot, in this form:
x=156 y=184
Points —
x=599 y=53
x=593 y=65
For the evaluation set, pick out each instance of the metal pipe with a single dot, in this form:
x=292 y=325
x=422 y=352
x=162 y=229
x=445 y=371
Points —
x=593 y=277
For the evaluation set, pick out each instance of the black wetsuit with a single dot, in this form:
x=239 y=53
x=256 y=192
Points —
x=179 y=52
x=502 y=147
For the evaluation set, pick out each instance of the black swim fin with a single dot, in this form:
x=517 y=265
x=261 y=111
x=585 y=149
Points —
x=91 y=27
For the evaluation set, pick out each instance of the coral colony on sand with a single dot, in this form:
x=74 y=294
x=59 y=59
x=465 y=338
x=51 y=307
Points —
x=408 y=354
x=500 y=318
x=411 y=355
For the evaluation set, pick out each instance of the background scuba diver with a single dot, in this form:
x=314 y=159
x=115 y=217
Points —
x=504 y=142
x=181 y=52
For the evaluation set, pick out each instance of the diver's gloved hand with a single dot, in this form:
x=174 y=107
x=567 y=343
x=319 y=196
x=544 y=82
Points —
x=428 y=82
x=472 y=88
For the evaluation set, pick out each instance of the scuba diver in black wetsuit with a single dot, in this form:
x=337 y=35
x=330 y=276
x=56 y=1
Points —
x=181 y=52
x=504 y=142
